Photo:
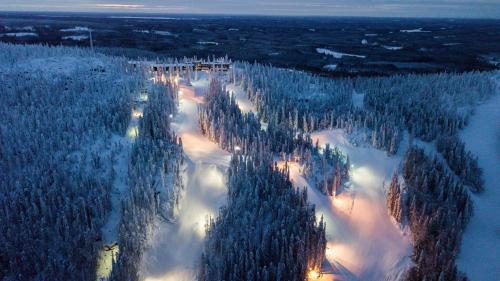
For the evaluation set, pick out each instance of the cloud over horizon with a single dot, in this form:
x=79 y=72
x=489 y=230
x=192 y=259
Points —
x=384 y=8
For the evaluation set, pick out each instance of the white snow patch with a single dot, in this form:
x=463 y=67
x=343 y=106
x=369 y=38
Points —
x=416 y=30
x=336 y=55
x=207 y=43
x=233 y=29
x=26 y=28
x=244 y=103
x=330 y=67
x=480 y=250
x=364 y=41
x=141 y=31
x=76 y=37
x=392 y=48
x=312 y=29
x=76 y=29
x=163 y=33
x=21 y=34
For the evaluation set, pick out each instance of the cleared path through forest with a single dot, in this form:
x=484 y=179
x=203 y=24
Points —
x=176 y=248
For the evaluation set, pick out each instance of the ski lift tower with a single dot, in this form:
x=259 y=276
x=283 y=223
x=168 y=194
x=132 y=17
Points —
x=91 y=42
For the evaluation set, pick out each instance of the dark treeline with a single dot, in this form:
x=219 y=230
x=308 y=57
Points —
x=267 y=231
x=461 y=161
x=55 y=159
x=222 y=121
x=437 y=209
x=154 y=181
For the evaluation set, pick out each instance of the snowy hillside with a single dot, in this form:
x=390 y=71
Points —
x=480 y=249
x=62 y=109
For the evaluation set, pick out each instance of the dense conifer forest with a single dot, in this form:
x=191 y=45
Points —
x=436 y=208
x=267 y=231
x=55 y=158
x=64 y=108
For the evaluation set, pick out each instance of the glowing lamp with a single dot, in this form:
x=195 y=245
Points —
x=313 y=275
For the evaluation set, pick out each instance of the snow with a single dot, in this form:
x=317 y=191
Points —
x=26 y=28
x=141 y=31
x=65 y=65
x=337 y=55
x=176 y=248
x=480 y=251
x=364 y=41
x=21 y=34
x=76 y=37
x=364 y=243
x=207 y=43
x=164 y=33
x=76 y=29
x=233 y=29
x=452 y=44
x=244 y=103
x=330 y=67
x=417 y=30
x=371 y=34
x=392 y=48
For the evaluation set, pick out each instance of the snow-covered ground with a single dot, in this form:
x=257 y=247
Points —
x=76 y=37
x=244 y=103
x=392 y=48
x=416 y=30
x=207 y=43
x=337 y=55
x=20 y=34
x=176 y=248
x=363 y=241
x=480 y=252
x=76 y=29
x=163 y=33
x=330 y=67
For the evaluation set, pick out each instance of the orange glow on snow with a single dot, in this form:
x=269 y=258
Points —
x=313 y=275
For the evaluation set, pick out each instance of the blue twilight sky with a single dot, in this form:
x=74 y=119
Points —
x=382 y=8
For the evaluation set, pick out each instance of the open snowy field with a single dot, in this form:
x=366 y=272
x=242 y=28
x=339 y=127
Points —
x=480 y=251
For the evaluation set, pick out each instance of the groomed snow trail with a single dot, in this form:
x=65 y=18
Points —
x=176 y=248
x=363 y=241
x=479 y=255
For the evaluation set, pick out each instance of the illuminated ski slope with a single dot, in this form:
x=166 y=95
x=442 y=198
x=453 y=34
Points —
x=363 y=242
x=176 y=247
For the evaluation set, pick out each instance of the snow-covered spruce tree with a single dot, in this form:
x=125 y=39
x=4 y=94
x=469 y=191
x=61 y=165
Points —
x=461 y=161
x=267 y=231
x=60 y=107
x=154 y=181
x=437 y=209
